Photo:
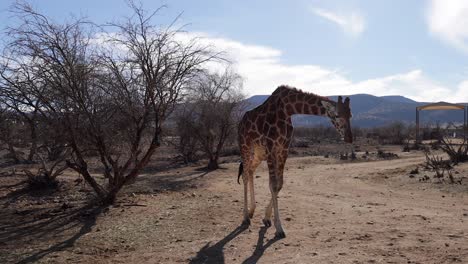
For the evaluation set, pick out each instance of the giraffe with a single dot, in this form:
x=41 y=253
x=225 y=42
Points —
x=265 y=133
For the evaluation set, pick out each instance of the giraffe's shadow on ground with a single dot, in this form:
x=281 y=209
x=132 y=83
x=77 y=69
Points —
x=260 y=247
x=215 y=253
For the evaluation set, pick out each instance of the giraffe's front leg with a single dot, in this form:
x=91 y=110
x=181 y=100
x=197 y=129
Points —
x=246 y=220
x=279 y=228
x=276 y=183
x=252 y=195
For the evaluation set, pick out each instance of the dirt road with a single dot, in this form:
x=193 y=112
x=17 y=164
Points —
x=367 y=212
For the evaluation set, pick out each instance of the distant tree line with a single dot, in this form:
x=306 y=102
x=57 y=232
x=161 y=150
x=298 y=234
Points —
x=396 y=133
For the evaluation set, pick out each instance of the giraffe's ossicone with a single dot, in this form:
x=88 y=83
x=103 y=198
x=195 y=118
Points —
x=265 y=134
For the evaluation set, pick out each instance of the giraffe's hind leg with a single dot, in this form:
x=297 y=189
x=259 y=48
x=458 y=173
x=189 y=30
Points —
x=253 y=166
x=250 y=165
x=267 y=219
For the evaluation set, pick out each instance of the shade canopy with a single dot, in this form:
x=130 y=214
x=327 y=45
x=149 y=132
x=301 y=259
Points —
x=441 y=106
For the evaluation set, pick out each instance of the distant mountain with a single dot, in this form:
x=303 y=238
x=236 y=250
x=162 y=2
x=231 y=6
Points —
x=369 y=111
x=398 y=99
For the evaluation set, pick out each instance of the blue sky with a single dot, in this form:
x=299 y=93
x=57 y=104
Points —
x=418 y=49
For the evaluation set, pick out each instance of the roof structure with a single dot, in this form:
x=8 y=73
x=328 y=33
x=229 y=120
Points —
x=441 y=106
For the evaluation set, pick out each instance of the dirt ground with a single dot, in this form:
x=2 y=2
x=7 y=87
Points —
x=332 y=211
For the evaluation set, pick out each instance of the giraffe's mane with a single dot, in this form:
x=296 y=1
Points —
x=291 y=88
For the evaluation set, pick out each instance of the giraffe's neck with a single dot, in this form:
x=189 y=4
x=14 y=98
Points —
x=305 y=103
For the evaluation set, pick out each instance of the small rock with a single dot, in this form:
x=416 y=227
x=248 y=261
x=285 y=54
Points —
x=423 y=217
x=65 y=206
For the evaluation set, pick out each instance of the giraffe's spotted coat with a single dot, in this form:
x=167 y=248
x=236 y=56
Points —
x=265 y=134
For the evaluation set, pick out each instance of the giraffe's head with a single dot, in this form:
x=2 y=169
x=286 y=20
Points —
x=340 y=115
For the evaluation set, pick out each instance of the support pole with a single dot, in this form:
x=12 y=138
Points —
x=465 y=129
x=417 y=126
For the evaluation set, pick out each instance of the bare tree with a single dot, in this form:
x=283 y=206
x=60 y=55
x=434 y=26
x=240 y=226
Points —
x=186 y=143
x=112 y=101
x=9 y=128
x=212 y=112
x=17 y=93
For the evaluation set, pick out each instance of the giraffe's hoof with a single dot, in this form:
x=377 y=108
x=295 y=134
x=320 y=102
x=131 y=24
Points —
x=246 y=222
x=267 y=222
x=280 y=234
x=251 y=215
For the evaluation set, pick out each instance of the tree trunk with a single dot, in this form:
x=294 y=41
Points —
x=13 y=153
x=32 y=150
x=213 y=164
x=109 y=199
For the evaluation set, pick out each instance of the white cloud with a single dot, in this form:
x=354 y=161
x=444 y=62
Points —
x=353 y=23
x=263 y=71
x=413 y=84
x=448 y=20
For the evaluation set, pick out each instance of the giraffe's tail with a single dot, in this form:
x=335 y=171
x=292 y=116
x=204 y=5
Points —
x=241 y=169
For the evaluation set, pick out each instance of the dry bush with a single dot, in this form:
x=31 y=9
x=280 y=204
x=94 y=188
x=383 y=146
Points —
x=456 y=152
x=439 y=166
x=300 y=143
x=186 y=142
x=10 y=131
x=232 y=150
x=210 y=115
x=46 y=175
x=386 y=155
x=394 y=133
x=318 y=134
x=406 y=147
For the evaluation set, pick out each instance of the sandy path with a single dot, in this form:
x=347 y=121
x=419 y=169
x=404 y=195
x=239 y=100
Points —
x=369 y=212
x=333 y=213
